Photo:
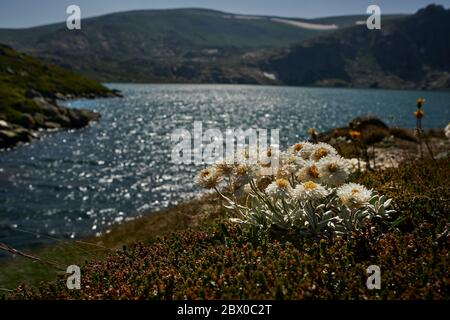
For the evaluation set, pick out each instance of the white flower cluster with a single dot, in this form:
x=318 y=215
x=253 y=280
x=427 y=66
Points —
x=447 y=131
x=308 y=193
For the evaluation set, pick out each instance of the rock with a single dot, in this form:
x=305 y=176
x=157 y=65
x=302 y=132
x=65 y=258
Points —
x=81 y=117
x=24 y=135
x=52 y=125
x=372 y=129
x=360 y=123
x=39 y=120
x=60 y=96
x=31 y=93
x=404 y=134
x=26 y=121
x=116 y=93
x=7 y=134
x=4 y=124
x=9 y=138
x=64 y=121
x=47 y=109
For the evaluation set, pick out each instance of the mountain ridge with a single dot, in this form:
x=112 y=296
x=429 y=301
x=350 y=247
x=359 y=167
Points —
x=408 y=53
x=192 y=45
x=209 y=46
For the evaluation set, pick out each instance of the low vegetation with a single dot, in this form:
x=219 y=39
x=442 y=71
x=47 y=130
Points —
x=222 y=260
x=29 y=90
x=20 y=72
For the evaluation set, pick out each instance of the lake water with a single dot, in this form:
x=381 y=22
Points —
x=77 y=183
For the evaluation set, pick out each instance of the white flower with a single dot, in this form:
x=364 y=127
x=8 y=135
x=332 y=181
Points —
x=353 y=194
x=353 y=164
x=309 y=190
x=208 y=178
x=333 y=170
x=292 y=163
x=447 y=131
x=225 y=167
x=302 y=149
x=322 y=150
x=309 y=172
x=244 y=173
x=247 y=189
x=247 y=155
x=279 y=189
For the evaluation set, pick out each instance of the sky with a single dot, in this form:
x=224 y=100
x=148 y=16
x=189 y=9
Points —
x=27 y=13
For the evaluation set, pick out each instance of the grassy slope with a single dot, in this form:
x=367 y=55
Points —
x=219 y=261
x=186 y=27
x=19 y=72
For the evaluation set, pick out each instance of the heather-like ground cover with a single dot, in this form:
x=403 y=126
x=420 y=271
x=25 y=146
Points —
x=216 y=259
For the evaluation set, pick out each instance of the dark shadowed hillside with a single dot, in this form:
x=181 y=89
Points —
x=409 y=52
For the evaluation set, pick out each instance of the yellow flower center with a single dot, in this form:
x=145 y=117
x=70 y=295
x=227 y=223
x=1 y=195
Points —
x=282 y=183
x=332 y=167
x=355 y=191
x=419 y=113
x=205 y=173
x=313 y=171
x=354 y=134
x=309 y=185
x=297 y=147
x=320 y=153
x=241 y=170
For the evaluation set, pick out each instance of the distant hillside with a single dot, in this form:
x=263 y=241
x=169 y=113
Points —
x=182 y=45
x=205 y=46
x=28 y=93
x=409 y=52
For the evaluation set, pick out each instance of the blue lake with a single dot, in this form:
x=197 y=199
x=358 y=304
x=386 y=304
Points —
x=76 y=183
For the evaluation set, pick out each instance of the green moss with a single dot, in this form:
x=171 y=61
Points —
x=20 y=72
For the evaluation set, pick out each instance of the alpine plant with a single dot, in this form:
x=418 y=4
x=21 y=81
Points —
x=306 y=193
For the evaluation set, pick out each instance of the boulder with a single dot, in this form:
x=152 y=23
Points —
x=9 y=138
x=26 y=121
x=60 y=96
x=39 y=120
x=64 y=121
x=31 y=93
x=46 y=108
x=4 y=124
x=81 y=117
x=372 y=129
x=361 y=123
x=52 y=125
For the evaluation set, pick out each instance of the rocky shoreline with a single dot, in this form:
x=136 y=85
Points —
x=49 y=117
x=380 y=146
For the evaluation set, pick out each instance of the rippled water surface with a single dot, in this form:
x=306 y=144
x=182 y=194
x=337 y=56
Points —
x=76 y=183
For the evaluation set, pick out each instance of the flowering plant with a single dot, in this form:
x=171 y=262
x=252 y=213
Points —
x=307 y=193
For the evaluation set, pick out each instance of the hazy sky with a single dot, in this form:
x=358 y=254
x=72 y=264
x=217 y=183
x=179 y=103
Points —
x=26 y=13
